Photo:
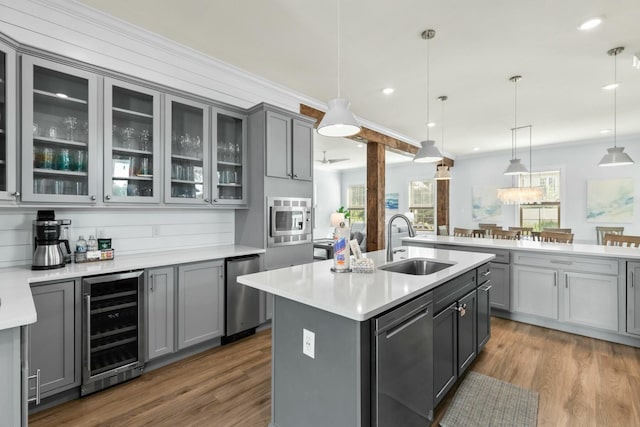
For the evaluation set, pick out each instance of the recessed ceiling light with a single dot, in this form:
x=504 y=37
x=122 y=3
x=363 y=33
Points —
x=431 y=124
x=590 y=24
x=611 y=86
x=388 y=90
x=360 y=145
x=62 y=95
x=636 y=61
x=476 y=148
x=605 y=130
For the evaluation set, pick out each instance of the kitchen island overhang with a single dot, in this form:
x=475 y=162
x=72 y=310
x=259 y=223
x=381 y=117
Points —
x=332 y=384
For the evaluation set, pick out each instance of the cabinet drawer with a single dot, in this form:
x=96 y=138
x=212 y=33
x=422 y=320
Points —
x=447 y=293
x=484 y=273
x=502 y=255
x=581 y=264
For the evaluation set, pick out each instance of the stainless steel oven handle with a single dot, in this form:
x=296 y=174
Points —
x=87 y=300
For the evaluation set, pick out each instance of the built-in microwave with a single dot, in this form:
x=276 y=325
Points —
x=289 y=221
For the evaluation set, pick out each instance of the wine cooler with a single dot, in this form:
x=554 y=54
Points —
x=113 y=320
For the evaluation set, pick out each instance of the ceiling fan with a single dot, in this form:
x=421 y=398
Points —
x=326 y=161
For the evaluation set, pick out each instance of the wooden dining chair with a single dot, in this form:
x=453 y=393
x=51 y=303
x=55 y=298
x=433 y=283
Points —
x=462 y=232
x=505 y=234
x=524 y=231
x=487 y=225
x=557 y=230
x=601 y=231
x=535 y=236
x=621 y=240
x=480 y=232
x=556 y=237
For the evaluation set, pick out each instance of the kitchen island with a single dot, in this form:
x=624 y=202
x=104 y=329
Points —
x=328 y=367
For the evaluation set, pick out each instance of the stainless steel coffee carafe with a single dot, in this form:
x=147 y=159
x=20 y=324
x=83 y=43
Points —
x=47 y=253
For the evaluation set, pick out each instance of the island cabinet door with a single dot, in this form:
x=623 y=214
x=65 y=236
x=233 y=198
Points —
x=633 y=298
x=445 y=351
x=467 y=330
x=160 y=312
x=484 y=314
x=535 y=291
x=200 y=302
x=591 y=300
x=500 y=286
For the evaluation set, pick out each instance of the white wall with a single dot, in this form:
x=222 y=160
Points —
x=327 y=199
x=577 y=162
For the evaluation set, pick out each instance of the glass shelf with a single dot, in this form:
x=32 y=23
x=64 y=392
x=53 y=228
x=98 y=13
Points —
x=59 y=141
x=58 y=97
x=58 y=172
x=132 y=113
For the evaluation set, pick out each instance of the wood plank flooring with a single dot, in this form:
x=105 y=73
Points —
x=581 y=381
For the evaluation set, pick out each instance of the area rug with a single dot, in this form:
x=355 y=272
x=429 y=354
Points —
x=485 y=401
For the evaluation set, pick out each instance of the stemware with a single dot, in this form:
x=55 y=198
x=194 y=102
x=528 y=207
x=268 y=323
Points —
x=127 y=136
x=145 y=139
x=70 y=123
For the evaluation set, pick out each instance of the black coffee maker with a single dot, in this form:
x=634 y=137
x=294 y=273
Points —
x=48 y=248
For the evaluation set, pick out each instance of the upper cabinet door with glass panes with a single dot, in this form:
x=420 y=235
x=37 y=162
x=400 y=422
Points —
x=8 y=139
x=59 y=136
x=229 y=158
x=186 y=151
x=131 y=143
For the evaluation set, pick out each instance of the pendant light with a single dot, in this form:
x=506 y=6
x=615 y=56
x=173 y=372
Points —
x=515 y=167
x=442 y=173
x=339 y=121
x=615 y=155
x=428 y=152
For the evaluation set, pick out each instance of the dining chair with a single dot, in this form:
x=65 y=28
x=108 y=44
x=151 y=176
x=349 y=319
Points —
x=462 y=232
x=557 y=230
x=480 y=232
x=487 y=225
x=556 y=237
x=621 y=240
x=601 y=231
x=505 y=234
x=535 y=236
x=524 y=231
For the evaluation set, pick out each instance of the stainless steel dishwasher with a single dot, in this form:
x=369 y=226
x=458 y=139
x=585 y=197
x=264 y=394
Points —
x=242 y=302
x=403 y=368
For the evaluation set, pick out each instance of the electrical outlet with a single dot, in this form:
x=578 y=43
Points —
x=309 y=343
x=155 y=231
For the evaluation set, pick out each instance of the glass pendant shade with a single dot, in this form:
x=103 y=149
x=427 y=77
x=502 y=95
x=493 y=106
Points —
x=616 y=157
x=442 y=174
x=515 y=168
x=428 y=153
x=339 y=121
x=520 y=195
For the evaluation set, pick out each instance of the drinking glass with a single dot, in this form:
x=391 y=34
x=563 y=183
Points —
x=238 y=156
x=145 y=140
x=36 y=130
x=58 y=186
x=47 y=158
x=127 y=137
x=53 y=132
x=79 y=162
x=70 y=124
x=37 y=157
x=144 y=166
x=64 y=160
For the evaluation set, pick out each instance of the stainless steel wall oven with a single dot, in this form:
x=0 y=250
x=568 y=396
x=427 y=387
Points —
x=113 y=330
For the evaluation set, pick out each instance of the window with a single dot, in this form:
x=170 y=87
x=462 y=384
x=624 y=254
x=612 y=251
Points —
x=547 y=213
x=356 y=196
x=421 y=204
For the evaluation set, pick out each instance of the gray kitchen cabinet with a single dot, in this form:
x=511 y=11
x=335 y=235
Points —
x=467 y=330
x=160 y=291
x=445 y=351
x=229 y=158
x=500 y=286
x=591 y=300
x=484 y=313
x=53 y=346
x=200 y=302
x=633 y=298
x=535 y=291
x=289 y=147
x=132 y=159
x=266 y=307
x=8 y=123
x=59 y=132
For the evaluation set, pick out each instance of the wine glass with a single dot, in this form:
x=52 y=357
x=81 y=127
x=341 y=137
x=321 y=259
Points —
x=70 y=123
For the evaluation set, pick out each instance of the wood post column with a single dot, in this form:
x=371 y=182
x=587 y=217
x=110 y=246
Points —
x=442 y=188
x=375 y=196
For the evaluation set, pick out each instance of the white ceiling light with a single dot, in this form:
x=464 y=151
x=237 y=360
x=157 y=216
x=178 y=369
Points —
x=590 y=24
x=605 y=130
x=522 y=195
x=428 y=153
x=476 y=148
x=611 y=86
x=442 y=172
x=339 y=121
x=515 y=167
x=636 y=61
x=431 y=124
x=388 y=90
x=615 y=155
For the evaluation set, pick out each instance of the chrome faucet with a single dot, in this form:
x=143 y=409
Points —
x=412 y=233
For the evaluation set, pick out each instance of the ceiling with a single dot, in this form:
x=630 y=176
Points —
x=476 y=49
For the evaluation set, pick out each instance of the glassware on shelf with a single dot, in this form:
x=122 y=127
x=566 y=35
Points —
x=127 y=137
x=238 y=156
x=79 y=161
x=145 y=140
x=70 y=124
x=144 y=166
x=36 y=129
x=64 y=159
x=47 y=158
x=53 y=132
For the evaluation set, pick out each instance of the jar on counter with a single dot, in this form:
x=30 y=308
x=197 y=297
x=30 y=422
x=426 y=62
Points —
x=81 y=245
x=92 y=244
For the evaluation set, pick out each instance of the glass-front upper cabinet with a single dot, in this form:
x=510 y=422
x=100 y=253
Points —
x=59 y=120
x=131 y=143
x=8 y=142
x=187 y=151
x=229 y=158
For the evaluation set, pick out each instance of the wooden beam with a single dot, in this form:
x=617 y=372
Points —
x=375 y=196
x=442 y=188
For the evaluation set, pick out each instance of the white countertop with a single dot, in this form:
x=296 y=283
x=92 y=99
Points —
x=360 y=296
x=529 y=245
x=16 y=302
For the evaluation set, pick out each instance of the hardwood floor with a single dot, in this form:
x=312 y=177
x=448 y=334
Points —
x=581 y=381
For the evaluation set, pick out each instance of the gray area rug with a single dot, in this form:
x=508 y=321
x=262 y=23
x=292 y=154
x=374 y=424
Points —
x=485 y=401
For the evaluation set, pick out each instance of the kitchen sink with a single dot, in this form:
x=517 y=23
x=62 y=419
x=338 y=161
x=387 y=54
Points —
x=416 y=266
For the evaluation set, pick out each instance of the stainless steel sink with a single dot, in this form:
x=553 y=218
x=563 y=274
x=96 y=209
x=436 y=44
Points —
x=416 y=266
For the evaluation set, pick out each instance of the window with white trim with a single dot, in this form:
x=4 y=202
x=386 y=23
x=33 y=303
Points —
x=356 y=203
x=545 y=214
x=422 y=203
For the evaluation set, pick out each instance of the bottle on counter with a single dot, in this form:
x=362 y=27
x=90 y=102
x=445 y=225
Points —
x=92 y=244
x=81 y=244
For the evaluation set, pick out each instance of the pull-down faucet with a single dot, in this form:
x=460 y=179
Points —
x=412 y=233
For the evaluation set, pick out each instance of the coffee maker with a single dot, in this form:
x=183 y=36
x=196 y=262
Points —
x=48 y=250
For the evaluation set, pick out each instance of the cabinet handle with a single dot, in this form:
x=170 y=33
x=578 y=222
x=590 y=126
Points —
x=295 y=175
x=206 y=200
x=108 y=197
x=215 y=200
x=486 y=273
x=486 y=286
x=93 y=197
x=16 y=194
x=631 y=274
x=37 y=377
x=87 y=300
x=151 y=282
x=555 y=279
x=566 y=280
x=221 y=273
x=289 y=175
x=461 y=309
